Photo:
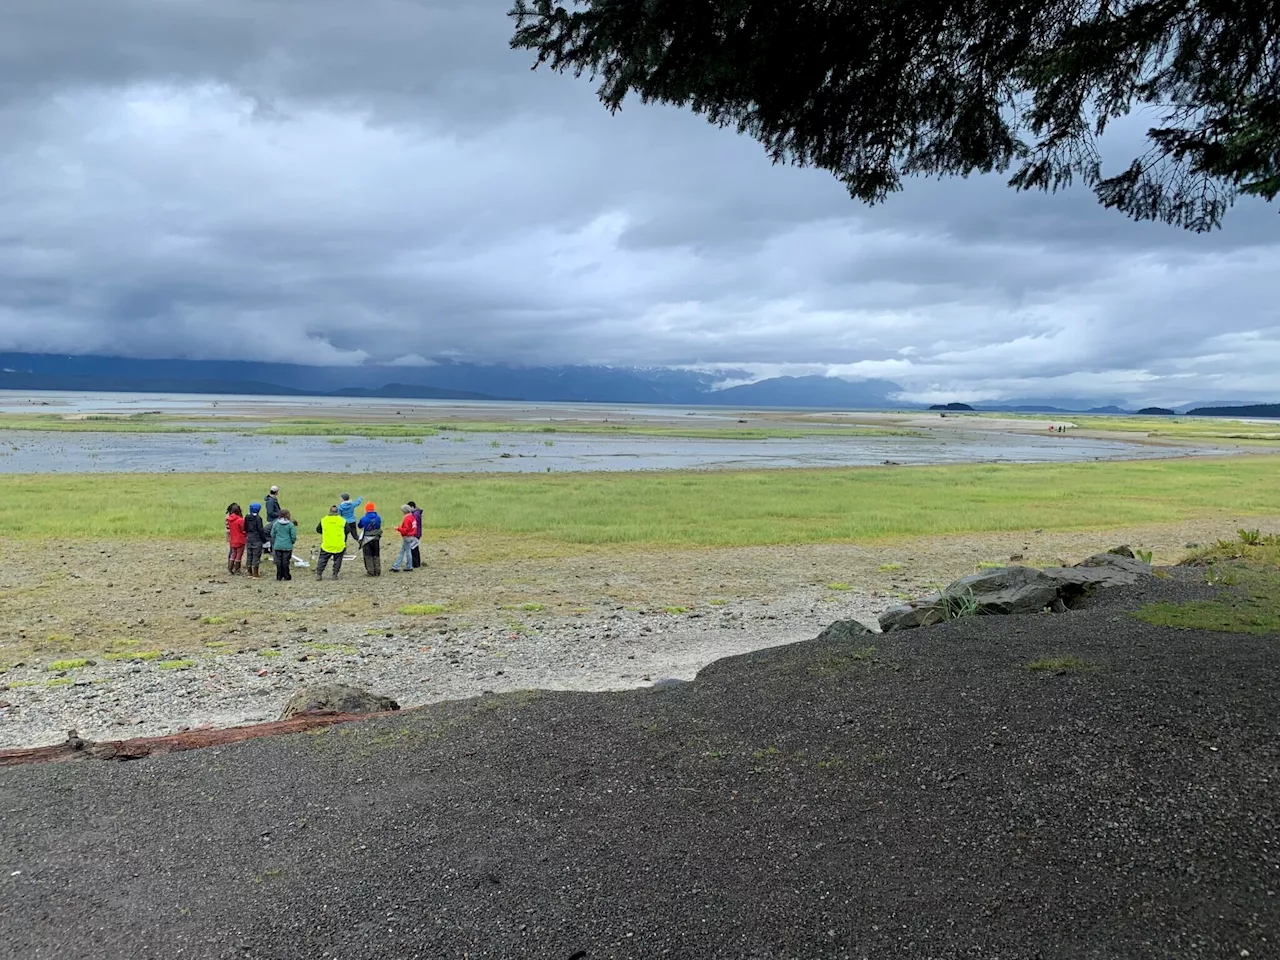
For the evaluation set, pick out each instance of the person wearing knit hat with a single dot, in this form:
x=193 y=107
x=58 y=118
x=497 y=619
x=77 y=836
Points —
x=255 y=539
x=371 y=540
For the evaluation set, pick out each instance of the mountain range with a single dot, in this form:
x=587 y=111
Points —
x=443 y=380
x=458 y=380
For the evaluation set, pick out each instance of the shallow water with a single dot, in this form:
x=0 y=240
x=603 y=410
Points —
x=200 y=404
x=33 y=452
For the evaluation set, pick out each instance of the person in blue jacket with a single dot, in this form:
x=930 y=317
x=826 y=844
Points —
x=371 y=540
x=347 y=510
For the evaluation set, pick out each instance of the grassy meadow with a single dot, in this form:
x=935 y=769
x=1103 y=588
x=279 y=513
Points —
x=708 y=509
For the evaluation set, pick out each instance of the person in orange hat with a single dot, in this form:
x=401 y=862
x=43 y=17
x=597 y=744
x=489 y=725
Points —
x=371 y=540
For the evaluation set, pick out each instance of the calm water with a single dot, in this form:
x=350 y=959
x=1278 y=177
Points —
x=35 y=452
x=55 y=402
x=30 y=452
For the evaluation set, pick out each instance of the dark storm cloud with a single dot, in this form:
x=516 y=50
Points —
x=326 y=182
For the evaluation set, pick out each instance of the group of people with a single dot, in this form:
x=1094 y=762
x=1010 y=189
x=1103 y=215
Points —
x=270 y=528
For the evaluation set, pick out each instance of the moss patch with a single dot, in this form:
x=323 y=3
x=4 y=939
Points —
x=1058 y=664
x=1249 y=572
x=421 y=609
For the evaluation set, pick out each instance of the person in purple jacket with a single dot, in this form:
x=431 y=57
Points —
x=417 y=517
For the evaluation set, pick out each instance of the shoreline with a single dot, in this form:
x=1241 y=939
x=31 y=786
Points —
x=176 y=643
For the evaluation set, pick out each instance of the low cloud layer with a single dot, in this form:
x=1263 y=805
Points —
x=331 y=183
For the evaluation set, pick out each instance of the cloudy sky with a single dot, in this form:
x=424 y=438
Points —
x=323 y=181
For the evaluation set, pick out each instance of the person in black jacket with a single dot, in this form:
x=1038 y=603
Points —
x=272 y=501
x=255 y=538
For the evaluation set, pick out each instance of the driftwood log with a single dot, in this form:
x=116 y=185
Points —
x=75 y=748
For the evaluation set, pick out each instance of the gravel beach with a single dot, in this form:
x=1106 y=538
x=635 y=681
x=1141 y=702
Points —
x=124 y=640
x=608 y=649
x=919 y=795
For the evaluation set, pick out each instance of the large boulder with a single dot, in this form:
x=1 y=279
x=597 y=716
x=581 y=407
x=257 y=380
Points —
x=328 y=698
x=908 y=616
x=1004 y=590
x=843 y=631
x=1019 y=590
x=1115 y=568
x=1115 y=560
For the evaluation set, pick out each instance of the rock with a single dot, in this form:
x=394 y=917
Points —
x=917 y=613
x=1117 y=561
x=844 y=630
x=1120 y=551
x=669 y=682
x=335 y=698
x=1005 y=590
x=1110 y=569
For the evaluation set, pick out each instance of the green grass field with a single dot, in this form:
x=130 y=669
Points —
x=678 y=508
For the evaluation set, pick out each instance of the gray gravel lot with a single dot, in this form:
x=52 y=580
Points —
x=931 y=797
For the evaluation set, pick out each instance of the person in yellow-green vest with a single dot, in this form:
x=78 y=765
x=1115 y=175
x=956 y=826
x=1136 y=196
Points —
x=333 y=542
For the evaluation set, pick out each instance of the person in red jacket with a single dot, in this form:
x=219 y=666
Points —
x=408 y=531
x=235 y=538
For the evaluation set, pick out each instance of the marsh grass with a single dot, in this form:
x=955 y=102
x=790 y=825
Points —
x=535 y=514
x=414 y=431
x=1249 y=571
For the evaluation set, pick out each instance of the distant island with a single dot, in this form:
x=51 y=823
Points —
x=1157 y=412
x=1252 y=410
x=958 y=407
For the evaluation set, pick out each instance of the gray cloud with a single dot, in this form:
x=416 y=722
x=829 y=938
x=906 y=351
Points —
x=325 y=183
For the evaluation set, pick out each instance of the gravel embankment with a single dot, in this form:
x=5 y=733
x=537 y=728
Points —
x=930 y=798
x=612 y=647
